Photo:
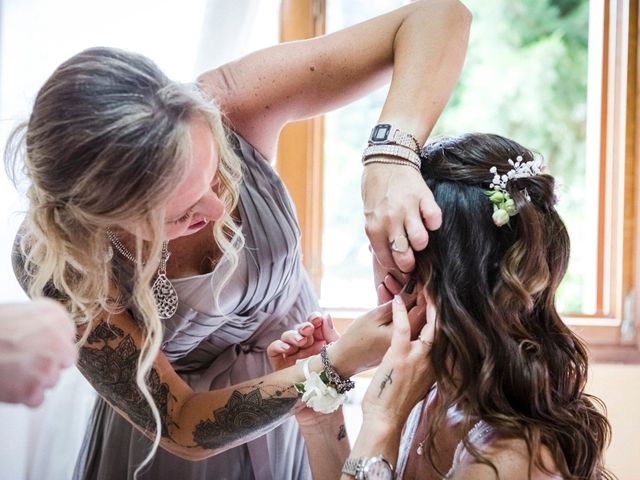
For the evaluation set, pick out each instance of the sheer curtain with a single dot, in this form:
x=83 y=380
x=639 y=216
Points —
x=184 y=38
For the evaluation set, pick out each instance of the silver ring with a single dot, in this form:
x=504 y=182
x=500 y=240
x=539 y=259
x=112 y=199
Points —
x=424 y=342
x=400 y=244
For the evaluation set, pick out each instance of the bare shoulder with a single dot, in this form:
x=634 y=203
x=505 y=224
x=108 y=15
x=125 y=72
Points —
x=510 y=458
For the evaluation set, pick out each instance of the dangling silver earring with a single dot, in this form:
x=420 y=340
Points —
x=163 y=290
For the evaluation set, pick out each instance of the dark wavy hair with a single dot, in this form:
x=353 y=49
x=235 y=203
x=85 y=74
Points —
x=503 y=353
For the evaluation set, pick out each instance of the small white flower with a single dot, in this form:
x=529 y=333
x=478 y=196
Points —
x=321 y=397
x=500 y=217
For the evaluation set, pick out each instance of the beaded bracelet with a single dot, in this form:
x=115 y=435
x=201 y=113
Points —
x=342 y=384
x=390 y=161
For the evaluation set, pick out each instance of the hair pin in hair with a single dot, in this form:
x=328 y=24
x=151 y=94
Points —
x=503 y=205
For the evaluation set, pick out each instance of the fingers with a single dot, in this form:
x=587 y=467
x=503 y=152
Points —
x=403 y=259
x=428 y=331
x=381 y=248
x=430 y=211
x=416 y=231
x=383 y=294
x=278 y=348
x=302 y=337
x=388 y=288
x=401 y=329
x=329 y=332
x=392 y=284
x=417 y=317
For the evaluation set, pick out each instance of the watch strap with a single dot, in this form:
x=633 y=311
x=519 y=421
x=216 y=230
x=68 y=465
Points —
x=387 y=134
x=352 y=466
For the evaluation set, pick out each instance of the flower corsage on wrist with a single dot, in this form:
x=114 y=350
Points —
x=324 y=392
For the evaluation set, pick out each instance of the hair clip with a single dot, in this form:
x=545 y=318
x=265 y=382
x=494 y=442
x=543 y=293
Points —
x=503 y=205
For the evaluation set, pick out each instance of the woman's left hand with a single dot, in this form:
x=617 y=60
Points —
x=398 y=206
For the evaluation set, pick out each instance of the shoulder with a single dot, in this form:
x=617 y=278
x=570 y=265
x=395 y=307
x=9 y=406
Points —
x=511 y=459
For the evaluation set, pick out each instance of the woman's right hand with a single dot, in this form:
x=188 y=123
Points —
x=400 y=382
x=405 y=375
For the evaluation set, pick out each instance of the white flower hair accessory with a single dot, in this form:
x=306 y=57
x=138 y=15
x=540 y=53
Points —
x=503 y=205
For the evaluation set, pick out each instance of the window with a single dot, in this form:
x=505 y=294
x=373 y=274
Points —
x=561 y=78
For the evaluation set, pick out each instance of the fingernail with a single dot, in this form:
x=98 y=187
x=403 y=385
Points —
x=410 y=286
x=398 y=299
x=329 y=321
x=298 y=337
x=286 y=346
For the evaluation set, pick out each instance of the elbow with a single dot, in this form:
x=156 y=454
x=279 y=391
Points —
x=463 y=13
x=453 y=12
x=458 y=14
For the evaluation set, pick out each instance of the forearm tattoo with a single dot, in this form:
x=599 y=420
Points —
x=385 y=381
x=249 y=414
x=342 y=432
x=110 y=361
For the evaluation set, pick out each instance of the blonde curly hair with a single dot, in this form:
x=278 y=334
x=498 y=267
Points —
x=107 y=140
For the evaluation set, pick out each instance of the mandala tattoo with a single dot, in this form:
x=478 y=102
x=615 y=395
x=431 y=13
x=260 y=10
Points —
x=385 y=381
x=243 y=414
x=111 y=364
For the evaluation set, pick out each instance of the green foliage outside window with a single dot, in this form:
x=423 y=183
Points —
x=525 y=77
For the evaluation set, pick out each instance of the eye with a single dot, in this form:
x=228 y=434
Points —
x=183 y=218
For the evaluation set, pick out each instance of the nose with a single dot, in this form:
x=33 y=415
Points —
x=211 y=207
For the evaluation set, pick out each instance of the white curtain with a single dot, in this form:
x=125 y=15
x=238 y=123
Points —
x=184 y=38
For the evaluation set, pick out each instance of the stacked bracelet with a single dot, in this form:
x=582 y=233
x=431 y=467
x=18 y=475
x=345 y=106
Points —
x=401 y=155
x=342 y=384
x=388 y=141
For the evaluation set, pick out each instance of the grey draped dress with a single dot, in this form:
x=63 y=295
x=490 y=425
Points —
x=211 y=347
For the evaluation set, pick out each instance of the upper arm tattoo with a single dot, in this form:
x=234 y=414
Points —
x=111 y=364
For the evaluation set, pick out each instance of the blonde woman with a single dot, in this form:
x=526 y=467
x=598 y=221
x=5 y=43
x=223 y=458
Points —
x=156 y=217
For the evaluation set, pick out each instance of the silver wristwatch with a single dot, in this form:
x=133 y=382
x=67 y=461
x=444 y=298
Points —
x=368 y=468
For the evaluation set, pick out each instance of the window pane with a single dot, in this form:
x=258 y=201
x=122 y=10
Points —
x=525 y=77
x=346 y=260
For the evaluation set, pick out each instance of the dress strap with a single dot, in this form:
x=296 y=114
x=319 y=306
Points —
x=477 y=432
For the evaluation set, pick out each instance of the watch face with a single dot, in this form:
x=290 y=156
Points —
x=380 y=132
x=378 y=469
